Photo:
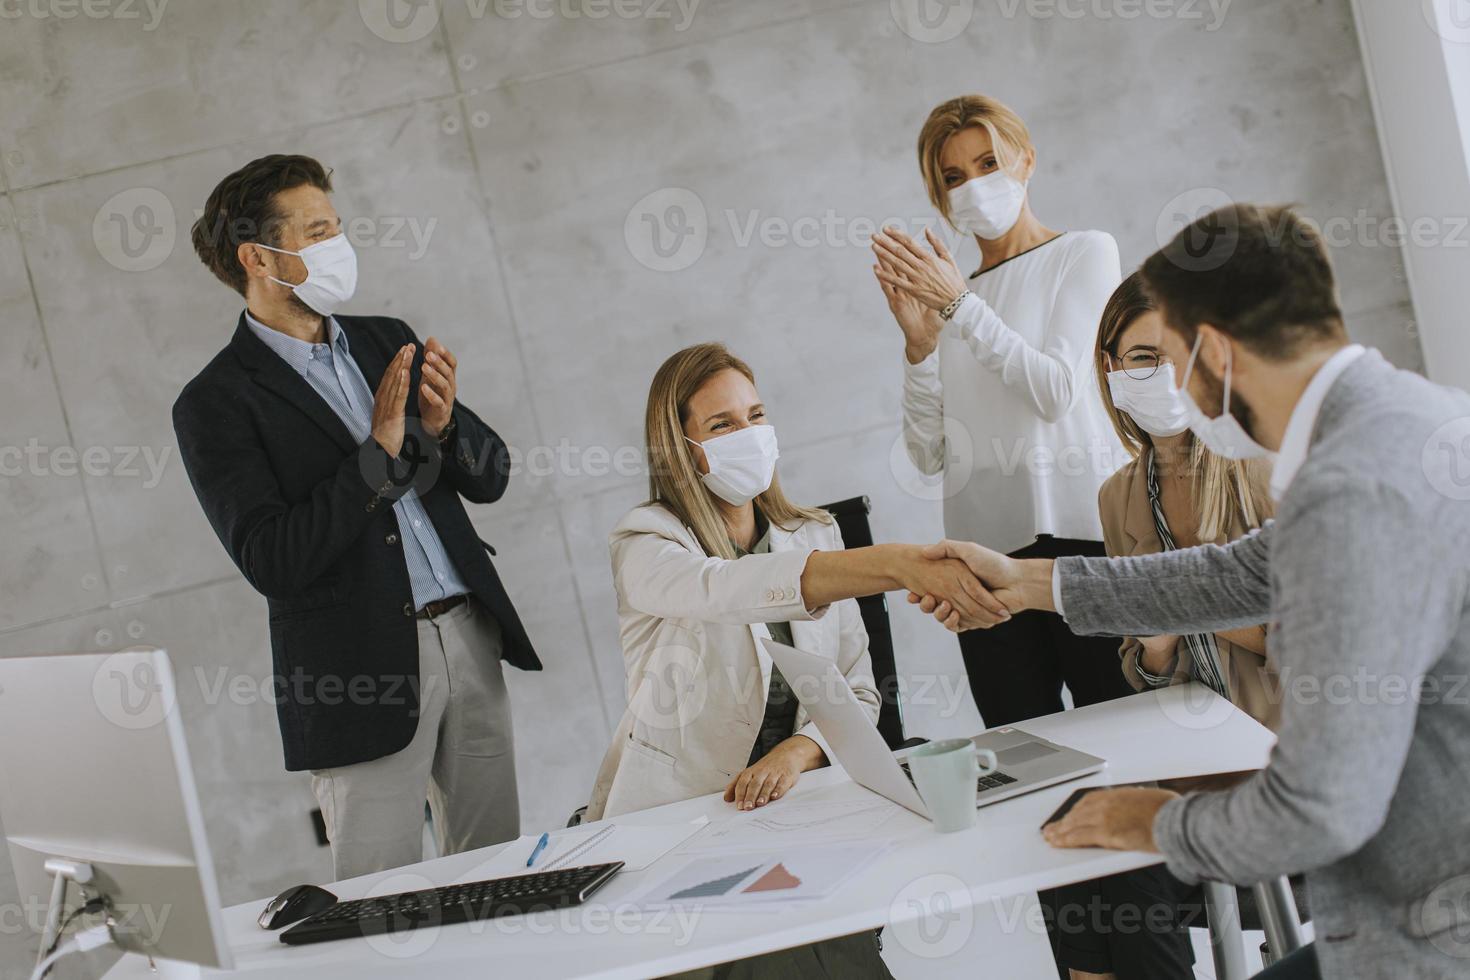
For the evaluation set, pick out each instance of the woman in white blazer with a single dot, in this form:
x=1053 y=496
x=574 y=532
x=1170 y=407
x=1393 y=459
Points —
x=718 y=558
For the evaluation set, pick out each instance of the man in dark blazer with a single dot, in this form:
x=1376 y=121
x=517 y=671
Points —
x=330 y=456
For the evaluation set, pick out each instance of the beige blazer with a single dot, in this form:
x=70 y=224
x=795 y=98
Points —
x=1128 y=529
x=696 y=678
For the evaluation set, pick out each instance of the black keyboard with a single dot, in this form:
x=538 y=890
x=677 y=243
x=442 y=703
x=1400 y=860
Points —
x=995 y=780
x=451 y=904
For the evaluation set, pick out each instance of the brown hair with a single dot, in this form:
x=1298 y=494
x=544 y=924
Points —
x=1008 y=134
x=1260 y=274
x=243 y=209
x=1222 y=487
x=673 y=477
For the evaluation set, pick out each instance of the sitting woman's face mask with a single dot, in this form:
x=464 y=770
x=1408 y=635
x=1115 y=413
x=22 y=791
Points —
x=737 y=451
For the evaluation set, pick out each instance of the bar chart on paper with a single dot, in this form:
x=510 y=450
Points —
x=754 y=879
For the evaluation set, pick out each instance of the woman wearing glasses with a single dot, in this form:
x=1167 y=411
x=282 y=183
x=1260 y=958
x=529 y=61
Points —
x=1174 y=494
x=997 y=395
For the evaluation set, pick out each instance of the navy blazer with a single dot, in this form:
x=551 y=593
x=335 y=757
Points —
x=306 y=513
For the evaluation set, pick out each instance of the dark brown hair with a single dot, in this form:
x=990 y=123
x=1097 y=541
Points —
x=243 y=209
x=1260 y=274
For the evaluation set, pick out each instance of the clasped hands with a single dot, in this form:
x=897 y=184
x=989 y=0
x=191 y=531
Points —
x=965 y=586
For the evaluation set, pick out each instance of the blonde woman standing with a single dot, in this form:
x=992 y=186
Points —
x=997 y=391
x=1173 y=494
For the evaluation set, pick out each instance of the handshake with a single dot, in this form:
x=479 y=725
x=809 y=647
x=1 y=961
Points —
x=965 y=586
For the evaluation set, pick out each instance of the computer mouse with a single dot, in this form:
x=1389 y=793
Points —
x=295 y=904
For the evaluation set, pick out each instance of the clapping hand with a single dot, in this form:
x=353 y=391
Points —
x=931 y=278
x=437 y=392
x=921 y=326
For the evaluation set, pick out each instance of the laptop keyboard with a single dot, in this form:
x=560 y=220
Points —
x=995 y=780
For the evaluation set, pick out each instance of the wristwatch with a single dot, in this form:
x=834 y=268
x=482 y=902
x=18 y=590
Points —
x=448 y=431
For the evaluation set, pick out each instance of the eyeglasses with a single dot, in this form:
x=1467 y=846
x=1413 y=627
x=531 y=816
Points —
x=1141 y=363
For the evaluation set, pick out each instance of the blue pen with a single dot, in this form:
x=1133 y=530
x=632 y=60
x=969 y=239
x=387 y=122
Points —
x=540 y=846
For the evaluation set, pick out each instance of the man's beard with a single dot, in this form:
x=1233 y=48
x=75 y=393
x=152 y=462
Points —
x=1214 y=397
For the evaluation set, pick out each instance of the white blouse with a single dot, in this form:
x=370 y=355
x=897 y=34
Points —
x=1007 y=406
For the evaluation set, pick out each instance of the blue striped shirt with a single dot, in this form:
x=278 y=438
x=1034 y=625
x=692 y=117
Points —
x=335 y=376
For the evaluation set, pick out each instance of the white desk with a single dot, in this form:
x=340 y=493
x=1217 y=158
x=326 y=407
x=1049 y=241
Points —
x=1181 y=731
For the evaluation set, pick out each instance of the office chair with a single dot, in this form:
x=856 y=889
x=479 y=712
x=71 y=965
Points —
x=852 y=521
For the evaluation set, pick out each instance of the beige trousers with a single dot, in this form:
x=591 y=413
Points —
x=462 y=759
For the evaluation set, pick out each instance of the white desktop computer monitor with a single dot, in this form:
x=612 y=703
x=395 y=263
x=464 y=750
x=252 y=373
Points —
x=94 y=772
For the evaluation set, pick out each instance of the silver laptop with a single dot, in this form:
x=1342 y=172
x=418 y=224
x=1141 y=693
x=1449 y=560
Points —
x=1025 y=762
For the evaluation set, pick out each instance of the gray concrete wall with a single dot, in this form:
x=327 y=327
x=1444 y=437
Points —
x=504 y=170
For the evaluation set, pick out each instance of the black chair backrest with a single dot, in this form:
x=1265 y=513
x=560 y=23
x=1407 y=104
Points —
x=852 y=521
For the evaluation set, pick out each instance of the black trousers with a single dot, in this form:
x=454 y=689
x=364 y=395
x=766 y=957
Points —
x=1134 y=925
x=1017 y=669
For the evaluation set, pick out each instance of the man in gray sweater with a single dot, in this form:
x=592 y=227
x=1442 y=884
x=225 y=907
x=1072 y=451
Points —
x=1363 y=578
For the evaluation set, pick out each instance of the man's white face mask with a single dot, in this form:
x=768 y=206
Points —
x=741 y=463
x=331 y=274
x=1222 y=435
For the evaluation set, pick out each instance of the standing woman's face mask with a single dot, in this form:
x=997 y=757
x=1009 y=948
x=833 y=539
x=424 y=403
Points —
x=985 y=198
x=735 y=450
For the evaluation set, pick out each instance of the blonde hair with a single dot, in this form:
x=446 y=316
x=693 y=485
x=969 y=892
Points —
x=674 y=479
x=1222 y=487
x=1008 y=134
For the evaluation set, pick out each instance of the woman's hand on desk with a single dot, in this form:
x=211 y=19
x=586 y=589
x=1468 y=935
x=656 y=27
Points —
x=774 y=775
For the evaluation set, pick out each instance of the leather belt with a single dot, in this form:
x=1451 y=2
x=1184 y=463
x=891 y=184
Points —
x=437 y=608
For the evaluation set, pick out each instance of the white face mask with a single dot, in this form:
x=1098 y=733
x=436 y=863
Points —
x=987 y=206
x=1154 y=403
x=331 y=274
x=1222 y=435
x=741 y=463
